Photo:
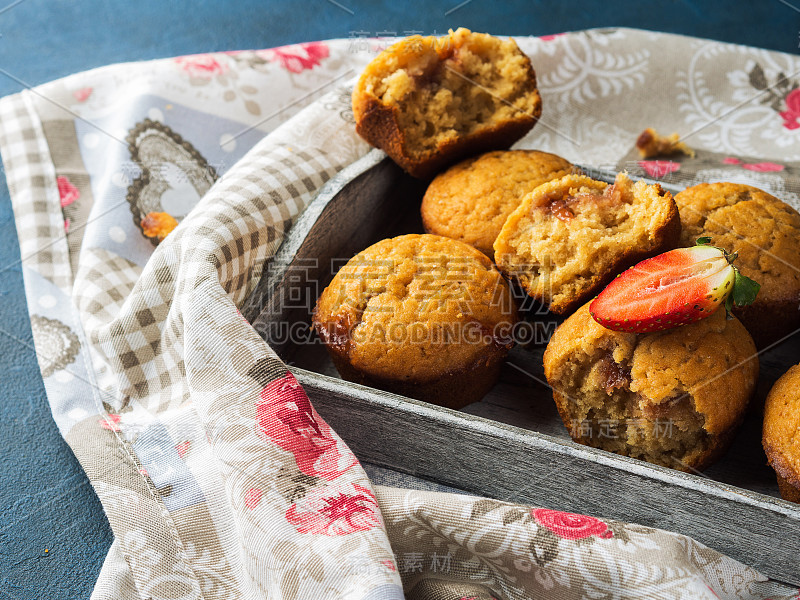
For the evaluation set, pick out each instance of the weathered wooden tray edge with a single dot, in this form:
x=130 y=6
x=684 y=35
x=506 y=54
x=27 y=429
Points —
x=408 y=435
x=493 y=459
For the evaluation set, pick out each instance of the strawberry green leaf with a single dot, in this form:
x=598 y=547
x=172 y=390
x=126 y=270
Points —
x=729 y=306
x=744 y=291
x=703 y=241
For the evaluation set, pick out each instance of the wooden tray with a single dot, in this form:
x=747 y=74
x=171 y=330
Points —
x=512 y=445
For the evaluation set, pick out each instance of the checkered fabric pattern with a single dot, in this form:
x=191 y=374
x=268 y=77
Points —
x=32 y=183
x=133 y=421
x=240 y=223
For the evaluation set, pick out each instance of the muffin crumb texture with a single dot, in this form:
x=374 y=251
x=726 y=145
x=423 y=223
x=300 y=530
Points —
x=569 y=237
x=423 y=97
x=672 y=398
x=471 y=201
x=651 y=144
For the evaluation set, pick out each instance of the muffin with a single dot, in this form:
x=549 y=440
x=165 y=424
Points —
x=672 y=397
x=419 y=315
x=471 y=201
x=429 y=101
x=766 y=234
x=781 y=424
x=571 y=236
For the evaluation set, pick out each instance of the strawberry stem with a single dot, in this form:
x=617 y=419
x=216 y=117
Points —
x=744 y=290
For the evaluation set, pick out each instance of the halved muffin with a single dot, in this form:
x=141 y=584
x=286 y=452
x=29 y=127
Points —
x=428 y=101
x=471 y=201
x=571 y=236
x=673 y=397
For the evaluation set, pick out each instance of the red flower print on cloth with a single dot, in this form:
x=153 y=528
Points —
x=67 y=191
x=183 y=448
x=571 y=526
x=791 y=116
x=202 y=66
x=551 y=37
x=335 y=510
x=110 y=422
x=659 y=168
x=297 y=57
x=763 y=167
x=82 y=94
x=252 y=497
x=285 y=416
x=389 y=565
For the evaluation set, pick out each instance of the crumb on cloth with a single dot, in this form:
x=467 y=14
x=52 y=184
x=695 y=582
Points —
x=651 y=144
x=158 y=225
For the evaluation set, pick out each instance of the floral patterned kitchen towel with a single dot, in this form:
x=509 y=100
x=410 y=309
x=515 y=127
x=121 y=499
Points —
x=219 y=478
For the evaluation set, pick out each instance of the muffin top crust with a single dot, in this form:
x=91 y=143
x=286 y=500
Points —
x=416 y=306
x=471 y=201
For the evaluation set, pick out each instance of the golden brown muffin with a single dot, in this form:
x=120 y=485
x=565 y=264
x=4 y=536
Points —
x=672 y=397
x=766 y=234
x=429 y=101
x=780 y=439
x=571 y=236
x=419 y=315
x=471 y=201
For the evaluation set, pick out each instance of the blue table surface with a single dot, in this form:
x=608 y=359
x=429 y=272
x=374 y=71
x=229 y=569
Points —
x=53 y=533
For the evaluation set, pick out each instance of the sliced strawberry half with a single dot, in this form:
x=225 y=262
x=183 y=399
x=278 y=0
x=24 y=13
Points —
x=673 y=289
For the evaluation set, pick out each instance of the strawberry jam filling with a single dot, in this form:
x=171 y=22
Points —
x=613 y=375
x=561 y=210
x=564 y=207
